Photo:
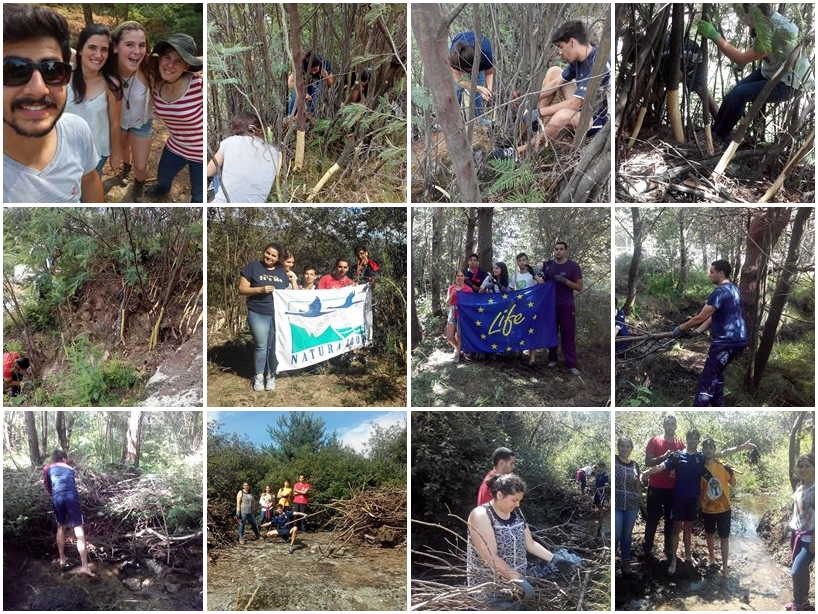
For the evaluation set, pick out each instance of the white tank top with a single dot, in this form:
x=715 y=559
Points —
x=95 y=113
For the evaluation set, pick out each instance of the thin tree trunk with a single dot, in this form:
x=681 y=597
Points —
x=430 y=27
x=33 y=445
x=485 y=233
x=295 y=60
x=674 y=75
x=471 y=225
x=636 y=259
x=437 y=232
x=683 y=261
x=88 y=14
x=62 y=434
x=794 y=448
x=133 y=438
x=780 y=296
x=417 y=330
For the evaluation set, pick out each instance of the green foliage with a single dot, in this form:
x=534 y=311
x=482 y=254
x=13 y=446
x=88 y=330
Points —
x=511 y=176
x=91 y=380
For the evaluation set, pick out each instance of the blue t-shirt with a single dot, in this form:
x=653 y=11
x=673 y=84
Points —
x=568 y=269
x=280 y=520
x=689 y=467
x=259 y=275
x=581 y=71
x=728 y=326
x=61 y=477
x=486 y=57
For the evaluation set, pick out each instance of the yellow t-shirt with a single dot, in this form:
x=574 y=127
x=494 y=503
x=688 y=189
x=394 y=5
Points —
x=284 y=496
x=715 y=498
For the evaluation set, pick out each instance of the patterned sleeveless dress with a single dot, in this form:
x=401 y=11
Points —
x=510 y=537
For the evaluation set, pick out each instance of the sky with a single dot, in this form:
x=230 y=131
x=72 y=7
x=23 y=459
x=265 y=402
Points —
x=353 y=427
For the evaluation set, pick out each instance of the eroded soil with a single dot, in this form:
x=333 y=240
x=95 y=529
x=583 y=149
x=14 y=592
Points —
x=262 y=575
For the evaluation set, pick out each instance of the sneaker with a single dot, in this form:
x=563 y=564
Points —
x=258 y=382
x=503 y=153
x=271 y=383
x=291 y=550
x=573 y=371
x=241 y=540
x=552 y=364
x=456 y=357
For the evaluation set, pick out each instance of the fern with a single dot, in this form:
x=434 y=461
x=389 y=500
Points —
x=511 y=176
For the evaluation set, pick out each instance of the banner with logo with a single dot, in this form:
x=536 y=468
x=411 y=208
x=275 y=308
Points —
x=315 y=325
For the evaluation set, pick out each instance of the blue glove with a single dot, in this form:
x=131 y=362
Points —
x=677 y=332
x=525 y=586
x=564 y=559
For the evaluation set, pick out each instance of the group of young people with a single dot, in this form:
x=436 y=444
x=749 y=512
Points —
x=565 y=273
x=685 y=486
x=71 y=114
x=600 y=489
x=284 y=515
x=259 y=279
x=561 y=96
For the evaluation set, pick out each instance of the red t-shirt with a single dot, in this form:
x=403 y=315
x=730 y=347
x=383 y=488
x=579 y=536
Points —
x=328 y=282
x=9 y=358
x=484 y=494
x=301 y=498
x=656 y=447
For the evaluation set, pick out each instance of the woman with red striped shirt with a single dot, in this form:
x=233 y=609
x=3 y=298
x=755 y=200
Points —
x=178 y=100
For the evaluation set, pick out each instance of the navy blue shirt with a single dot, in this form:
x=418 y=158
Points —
x=259 y=275
x=689 y=467
x=280 y=520
x=581 y=72
x=728 y=326
x=486 y=57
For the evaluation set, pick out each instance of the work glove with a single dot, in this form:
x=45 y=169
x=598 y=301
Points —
x=525 y=586
x=678 y=332
x=708 y=30
x=565 y=560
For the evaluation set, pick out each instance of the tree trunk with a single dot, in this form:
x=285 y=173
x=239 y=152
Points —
x=430 y=27
x=300 y=111
x=436 y=272
x=701 y=77
x=603 y=50
x=765 y=227
x=636 y=259
x=485 y=233
x=33 y=444
x=133 y=438
x=44 y=433
x=681 y=283
x=471 y=225
x=417 y=330
x=794 y=449
x=88 y=14
x=780 y=296
x=673 y=76
x=62 y=433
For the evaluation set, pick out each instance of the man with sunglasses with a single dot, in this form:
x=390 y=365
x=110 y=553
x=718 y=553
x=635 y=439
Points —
x=47 y=156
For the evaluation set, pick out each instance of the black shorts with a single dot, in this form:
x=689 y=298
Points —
x=720 y=521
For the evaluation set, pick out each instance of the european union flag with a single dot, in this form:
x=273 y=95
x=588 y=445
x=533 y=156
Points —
x=505 y=322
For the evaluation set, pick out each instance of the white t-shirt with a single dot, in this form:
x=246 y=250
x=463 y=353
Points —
x=61 y=180
x=249 y=169
x=521 y=281
x=95 y=112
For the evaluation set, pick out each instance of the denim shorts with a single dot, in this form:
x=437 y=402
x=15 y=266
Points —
x=145 y=130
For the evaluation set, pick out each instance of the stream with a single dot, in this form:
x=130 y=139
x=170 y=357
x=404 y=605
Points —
x=754 y=580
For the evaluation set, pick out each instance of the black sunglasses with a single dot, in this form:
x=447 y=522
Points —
x=18 y=71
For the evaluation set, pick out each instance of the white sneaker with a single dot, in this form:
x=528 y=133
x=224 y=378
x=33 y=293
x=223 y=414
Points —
x=258 y=382
x=573 y=371
x=456 y=357
x=552 y=364
x=271 y=383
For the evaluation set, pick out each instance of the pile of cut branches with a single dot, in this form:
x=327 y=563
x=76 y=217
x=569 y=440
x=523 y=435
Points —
x=588 y=588
x=375 y=516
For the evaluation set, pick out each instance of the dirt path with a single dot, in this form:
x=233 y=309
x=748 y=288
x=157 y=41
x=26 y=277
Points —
x=116 y=192
x=437 y=381
x=343 y=382
x=363 y=578
x=36 y=584
x=754 y=582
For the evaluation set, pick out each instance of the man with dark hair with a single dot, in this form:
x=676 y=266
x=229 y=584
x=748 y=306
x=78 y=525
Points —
x=309 y=276
x=774 y=37
x=474 y=274
x=59 y=480
x=366 y=270
x=567 y=275
x=503 y=462
x=301 y=497
x=728 y=333
x=47 y=156
x=338 y=278
x=461 y=62
x=563 y=91
x=14 y=369
x=317 y=73
x=284 y=525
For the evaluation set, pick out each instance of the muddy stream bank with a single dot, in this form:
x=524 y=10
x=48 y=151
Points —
x=754 y=580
